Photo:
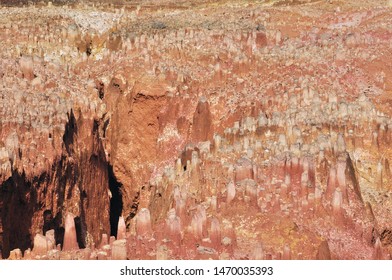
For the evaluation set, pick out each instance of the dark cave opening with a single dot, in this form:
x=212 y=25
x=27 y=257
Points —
x=80 y=233
x=18 y=202
x=116 y=203
x=54 y=223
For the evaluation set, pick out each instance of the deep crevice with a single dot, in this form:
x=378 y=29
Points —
x=80 y=233
x=101 y=90
x=116 y=203
x=134 y=208
x=70 y=132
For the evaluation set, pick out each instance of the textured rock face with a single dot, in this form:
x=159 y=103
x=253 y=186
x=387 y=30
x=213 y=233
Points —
x=212 y=130
x=70 y=241
x=202 y=129
x=76 y=181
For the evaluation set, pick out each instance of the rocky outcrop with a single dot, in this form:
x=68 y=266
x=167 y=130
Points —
x=202 y=129
x=154 y=132
x=77 y=177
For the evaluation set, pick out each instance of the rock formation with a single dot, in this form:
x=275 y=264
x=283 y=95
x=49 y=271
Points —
x=163 y=130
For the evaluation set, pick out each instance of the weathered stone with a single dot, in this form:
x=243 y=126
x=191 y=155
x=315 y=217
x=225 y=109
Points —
x=143 y=222
x=202 y=129
x=119 y=250
x=242 y=121
x=230 y=192
x=121 y=229
x=15 y=254
x=323 y=252
x=40 y=245
x=243 y=169
x=70 y=240
x=50 y=239
x=258 y=252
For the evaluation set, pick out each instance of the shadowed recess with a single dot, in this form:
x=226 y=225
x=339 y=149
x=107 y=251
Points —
x=116 y=203
x=19 y=200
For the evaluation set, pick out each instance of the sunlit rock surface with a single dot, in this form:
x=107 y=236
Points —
x=195 y=130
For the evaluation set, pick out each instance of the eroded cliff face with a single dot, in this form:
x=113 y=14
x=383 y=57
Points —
x=131 y=134
x=76 y=182
x=212 y=130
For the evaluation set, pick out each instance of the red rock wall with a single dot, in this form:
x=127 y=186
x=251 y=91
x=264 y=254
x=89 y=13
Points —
x=77 y=182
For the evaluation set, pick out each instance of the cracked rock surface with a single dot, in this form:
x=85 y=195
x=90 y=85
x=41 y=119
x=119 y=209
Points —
x=196 y=130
